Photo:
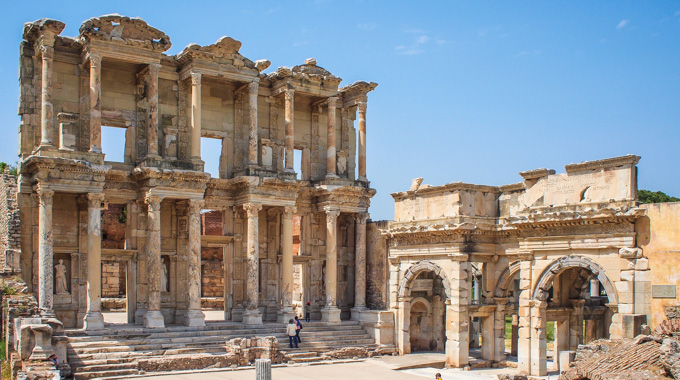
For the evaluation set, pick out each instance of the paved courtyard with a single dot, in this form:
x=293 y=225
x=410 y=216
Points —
x=371 y=369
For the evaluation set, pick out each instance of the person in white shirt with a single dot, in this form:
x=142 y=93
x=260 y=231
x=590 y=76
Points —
x=291 y=331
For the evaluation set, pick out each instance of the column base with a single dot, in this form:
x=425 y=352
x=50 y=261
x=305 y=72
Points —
x=93 y=321
x=252 y=317
x=286 y=315
x=362 y=179
x=356 y=312
x=154 y=319
x=95 y=149
x=331 y=175
x=47 y=313
x=330 y=314
x=195 y=318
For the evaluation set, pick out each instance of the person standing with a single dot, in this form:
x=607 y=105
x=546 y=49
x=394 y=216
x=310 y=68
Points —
x=298 y=326
x=291 y=331
x=308 y=312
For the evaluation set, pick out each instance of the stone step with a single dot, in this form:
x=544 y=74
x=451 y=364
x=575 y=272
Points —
x=107 y=367
x=301 y=355
x=210 y=326
x=124 y=351
x=122 y=346
x=187 y=334
x=102 y=374
x=116 y=358
x=206 y=337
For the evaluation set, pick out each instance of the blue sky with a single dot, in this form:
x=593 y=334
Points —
x=468 y=91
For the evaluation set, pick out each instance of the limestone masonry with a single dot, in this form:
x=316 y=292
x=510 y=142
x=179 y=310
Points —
x=155 y=236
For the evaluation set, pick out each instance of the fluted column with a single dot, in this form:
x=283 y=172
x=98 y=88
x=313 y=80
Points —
x=46 y=110
x=253 y=88
x=362 y=141
x=95 y=103
x=331 y=154
x=331 y=313
x=195 y=316
x=93 y=317
x=252 y=315
x=360 y=266
x=195 y=116
x=45 y=253
x=152 y=96
x=153 y=317
x=289 y=96
x=287 y=264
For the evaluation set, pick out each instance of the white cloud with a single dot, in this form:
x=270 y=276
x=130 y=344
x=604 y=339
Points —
x=622 y=23
x=422 y=39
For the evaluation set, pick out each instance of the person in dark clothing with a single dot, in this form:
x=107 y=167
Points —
x=308 y=312
x=298 y=324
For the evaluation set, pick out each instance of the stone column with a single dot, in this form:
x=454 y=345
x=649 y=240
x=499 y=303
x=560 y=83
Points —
x=524 y=313
x=93 y=317
x=195 y=316
x=499 y=329
x=359 y=266
x=330 y=313
x=153 y=317
x=253 y=88
x=195 y=116
x=331 y=171
x=95 y=103
x=152 y=96
x=45 y=253
x=594 y=288
x=252 y=315
x=561 y=341
x=46 y=110
x=457 y=317
x=539 y=359
x=362 y=141
x=287 y=265
x=514 y=335
x=576 y=324
x=290 y=129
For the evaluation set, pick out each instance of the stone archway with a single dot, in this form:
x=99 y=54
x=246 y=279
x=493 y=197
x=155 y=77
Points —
x=563 y=263
x=561 y=284
x=415 y=269
x=505 y=279
x=436 y=305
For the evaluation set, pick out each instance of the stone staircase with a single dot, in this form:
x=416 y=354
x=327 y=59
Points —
x=116 y=350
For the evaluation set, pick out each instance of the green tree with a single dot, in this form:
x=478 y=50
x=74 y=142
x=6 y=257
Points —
x=12 y=168
x=647 y=196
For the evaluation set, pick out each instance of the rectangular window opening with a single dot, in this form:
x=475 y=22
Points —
x=211 y=152
x=113 y=143
x=297 y=163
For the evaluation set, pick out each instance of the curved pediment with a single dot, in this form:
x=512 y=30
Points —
x=125 y=30
x=224 y=51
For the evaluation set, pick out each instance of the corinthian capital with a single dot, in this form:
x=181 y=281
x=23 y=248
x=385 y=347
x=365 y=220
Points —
x=45 y=196
x=196 y=205
x=94 y=200
x=252 y=209
x=362 y=107
x=196 y=79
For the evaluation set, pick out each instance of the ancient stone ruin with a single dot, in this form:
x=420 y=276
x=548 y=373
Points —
x=283 y=227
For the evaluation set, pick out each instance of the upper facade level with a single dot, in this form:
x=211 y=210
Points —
x=592 y=189
x=116 y=74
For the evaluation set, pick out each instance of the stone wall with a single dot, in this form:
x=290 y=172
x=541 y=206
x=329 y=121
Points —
x=113 y=279
x=659 y=236
x=10 y=230
x=212 y=272
x=376 y=266
x=211 y=223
